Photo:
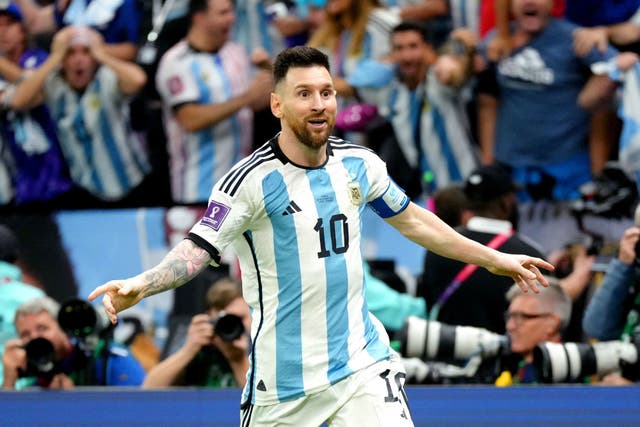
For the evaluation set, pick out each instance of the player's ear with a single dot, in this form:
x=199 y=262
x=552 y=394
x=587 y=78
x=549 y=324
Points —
x=276 y=107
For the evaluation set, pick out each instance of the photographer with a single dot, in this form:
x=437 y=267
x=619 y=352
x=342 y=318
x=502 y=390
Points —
x=210 y=358
x=531 y=320
x=612 y=312
x=67 y=362
x=13 y=291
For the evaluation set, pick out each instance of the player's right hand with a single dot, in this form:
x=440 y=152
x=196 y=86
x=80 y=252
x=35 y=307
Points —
x=118 y=295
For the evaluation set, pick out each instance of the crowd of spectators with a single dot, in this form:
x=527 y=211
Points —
x=111 y=104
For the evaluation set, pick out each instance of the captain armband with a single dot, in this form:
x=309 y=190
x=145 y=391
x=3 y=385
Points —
x=391 y=203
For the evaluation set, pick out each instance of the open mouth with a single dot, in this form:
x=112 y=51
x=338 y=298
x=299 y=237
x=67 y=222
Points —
x=317 y=122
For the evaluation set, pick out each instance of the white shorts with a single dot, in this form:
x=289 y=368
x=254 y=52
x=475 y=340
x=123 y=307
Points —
x=372 y=397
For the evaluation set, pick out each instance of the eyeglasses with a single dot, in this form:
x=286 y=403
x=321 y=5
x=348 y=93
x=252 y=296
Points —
x=519 y=317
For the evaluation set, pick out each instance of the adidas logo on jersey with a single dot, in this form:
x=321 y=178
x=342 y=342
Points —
x=261 y=386
x=291 y=209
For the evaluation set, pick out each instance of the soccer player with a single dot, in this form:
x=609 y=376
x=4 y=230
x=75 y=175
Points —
x=292 y=211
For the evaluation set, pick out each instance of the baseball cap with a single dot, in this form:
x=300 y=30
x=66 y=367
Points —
x=488 y=182
x=11 y=9
x=8 y=245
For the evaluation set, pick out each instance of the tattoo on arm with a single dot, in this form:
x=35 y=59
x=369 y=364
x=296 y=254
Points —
x=180 y=265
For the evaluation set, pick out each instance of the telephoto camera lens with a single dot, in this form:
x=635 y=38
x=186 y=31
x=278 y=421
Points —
x=572 y=362
x=80 y=319
x=432 y=340
x=228 y=326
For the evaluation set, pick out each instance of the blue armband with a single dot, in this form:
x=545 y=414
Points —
x=391 y=203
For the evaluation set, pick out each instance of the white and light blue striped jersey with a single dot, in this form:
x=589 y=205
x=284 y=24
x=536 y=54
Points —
x=445 y=146
x=297 y=234
x=198 y=159
x=103 y=154
x=253 y=29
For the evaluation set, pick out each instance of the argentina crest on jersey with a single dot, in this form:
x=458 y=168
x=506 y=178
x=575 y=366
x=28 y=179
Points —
x=355 y=193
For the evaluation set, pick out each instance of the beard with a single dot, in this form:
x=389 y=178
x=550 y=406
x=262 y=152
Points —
x=310 y=139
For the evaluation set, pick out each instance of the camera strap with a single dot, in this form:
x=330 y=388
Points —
x=497 y=241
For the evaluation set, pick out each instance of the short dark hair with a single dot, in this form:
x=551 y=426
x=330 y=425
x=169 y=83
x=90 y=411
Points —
x=197 y=6
x=298 y=57
x=411 y=25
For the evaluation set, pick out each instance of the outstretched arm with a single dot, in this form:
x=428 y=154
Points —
x=429 y=231
x=179 y=266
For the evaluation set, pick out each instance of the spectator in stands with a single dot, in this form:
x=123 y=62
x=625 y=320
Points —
x=116 y=21
x=450 y=204
x=88 y=99
x=458 y=296
x=206 y=359
x=13 y=292
x=434 y=14
x=497 y=14
x=531 y=320
x=37 y=318
x=353 y=31
x=533 y=116
x=537 y=89
x=425 y=107
x=209 y=99
x=31 y=152
x=613 y=311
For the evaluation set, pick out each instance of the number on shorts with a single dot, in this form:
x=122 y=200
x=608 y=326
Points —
x=398 y=378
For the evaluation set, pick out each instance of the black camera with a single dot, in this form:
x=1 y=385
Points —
x=611 y=194
x=41 y=359
x=227 y=326
x=572 y=362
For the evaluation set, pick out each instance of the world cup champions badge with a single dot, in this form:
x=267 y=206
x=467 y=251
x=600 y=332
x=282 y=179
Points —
x=355 y=194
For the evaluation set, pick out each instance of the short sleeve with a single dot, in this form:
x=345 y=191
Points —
x=175 y=82
x=385 y=198
x=227 y=216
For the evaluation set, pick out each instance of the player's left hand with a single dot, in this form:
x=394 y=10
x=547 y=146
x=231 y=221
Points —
x=523 y=269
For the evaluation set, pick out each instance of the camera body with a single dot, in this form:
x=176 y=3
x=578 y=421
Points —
x=41 y=360
x=227 y=326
